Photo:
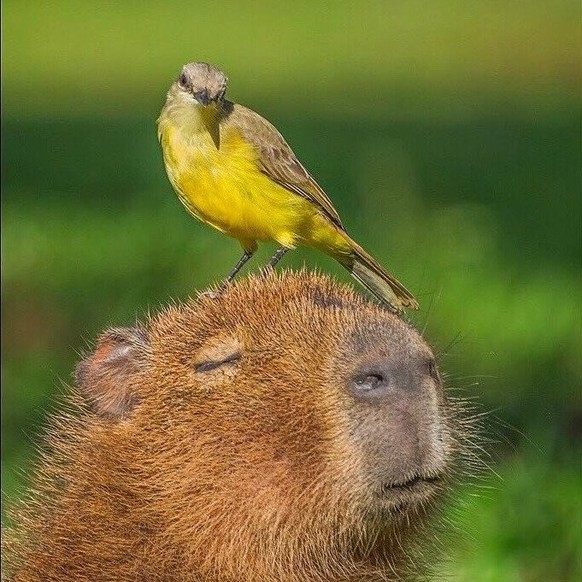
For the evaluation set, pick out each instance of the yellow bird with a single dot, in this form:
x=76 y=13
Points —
x=233 y=170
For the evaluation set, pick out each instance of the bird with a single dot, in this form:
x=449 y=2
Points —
x=234 y=171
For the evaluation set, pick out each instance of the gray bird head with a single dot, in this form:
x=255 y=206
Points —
x=205 y=83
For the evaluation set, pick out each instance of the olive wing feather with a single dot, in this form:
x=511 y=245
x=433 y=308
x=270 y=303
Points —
x=277 y=160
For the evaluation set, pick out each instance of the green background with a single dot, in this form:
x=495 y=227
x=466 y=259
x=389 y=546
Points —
x=446 y=132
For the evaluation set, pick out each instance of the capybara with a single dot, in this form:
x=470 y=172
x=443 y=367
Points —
x=283 y=430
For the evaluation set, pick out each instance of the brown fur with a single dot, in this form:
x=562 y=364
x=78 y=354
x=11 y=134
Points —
x=227 y=439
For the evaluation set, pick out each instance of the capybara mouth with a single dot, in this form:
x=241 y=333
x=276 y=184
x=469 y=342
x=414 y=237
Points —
x=411 y=490
x=410 y=484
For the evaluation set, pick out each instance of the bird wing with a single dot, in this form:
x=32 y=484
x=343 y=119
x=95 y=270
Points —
x=276 y=158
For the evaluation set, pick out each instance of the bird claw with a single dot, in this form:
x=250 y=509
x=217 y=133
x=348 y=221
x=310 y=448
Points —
x=209 y=294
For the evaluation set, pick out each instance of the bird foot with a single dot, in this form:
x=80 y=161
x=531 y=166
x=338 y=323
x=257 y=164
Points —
x=210 y=294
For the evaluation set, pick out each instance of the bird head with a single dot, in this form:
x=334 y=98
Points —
x=203 y=83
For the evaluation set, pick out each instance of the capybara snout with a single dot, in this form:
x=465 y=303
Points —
x=397 y=415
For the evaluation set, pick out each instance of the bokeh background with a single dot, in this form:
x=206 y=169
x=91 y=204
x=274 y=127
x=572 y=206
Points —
x=446 y=132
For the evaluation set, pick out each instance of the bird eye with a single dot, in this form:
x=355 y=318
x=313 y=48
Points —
x=183 y=80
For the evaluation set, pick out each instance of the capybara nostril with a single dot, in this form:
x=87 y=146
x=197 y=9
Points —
x=377 y=382
x=371 y=382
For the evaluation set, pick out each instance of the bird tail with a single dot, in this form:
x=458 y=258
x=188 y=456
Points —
x=377 y=280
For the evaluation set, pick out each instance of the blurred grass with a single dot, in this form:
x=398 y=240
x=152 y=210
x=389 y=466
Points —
x=512 y=56
x=447 y=134
x=523 y=527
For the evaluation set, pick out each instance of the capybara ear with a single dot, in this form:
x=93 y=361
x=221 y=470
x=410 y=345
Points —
x=107 y=377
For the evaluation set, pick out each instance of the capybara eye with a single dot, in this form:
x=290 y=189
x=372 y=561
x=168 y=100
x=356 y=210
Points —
x=213 y=364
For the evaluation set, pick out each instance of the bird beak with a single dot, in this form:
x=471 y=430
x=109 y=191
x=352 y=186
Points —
x=202 y=97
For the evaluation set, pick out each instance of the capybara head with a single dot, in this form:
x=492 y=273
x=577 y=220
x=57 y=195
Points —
x=283 y=430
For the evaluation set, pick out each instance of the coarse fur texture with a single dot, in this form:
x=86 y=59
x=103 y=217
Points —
x=285 y=430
